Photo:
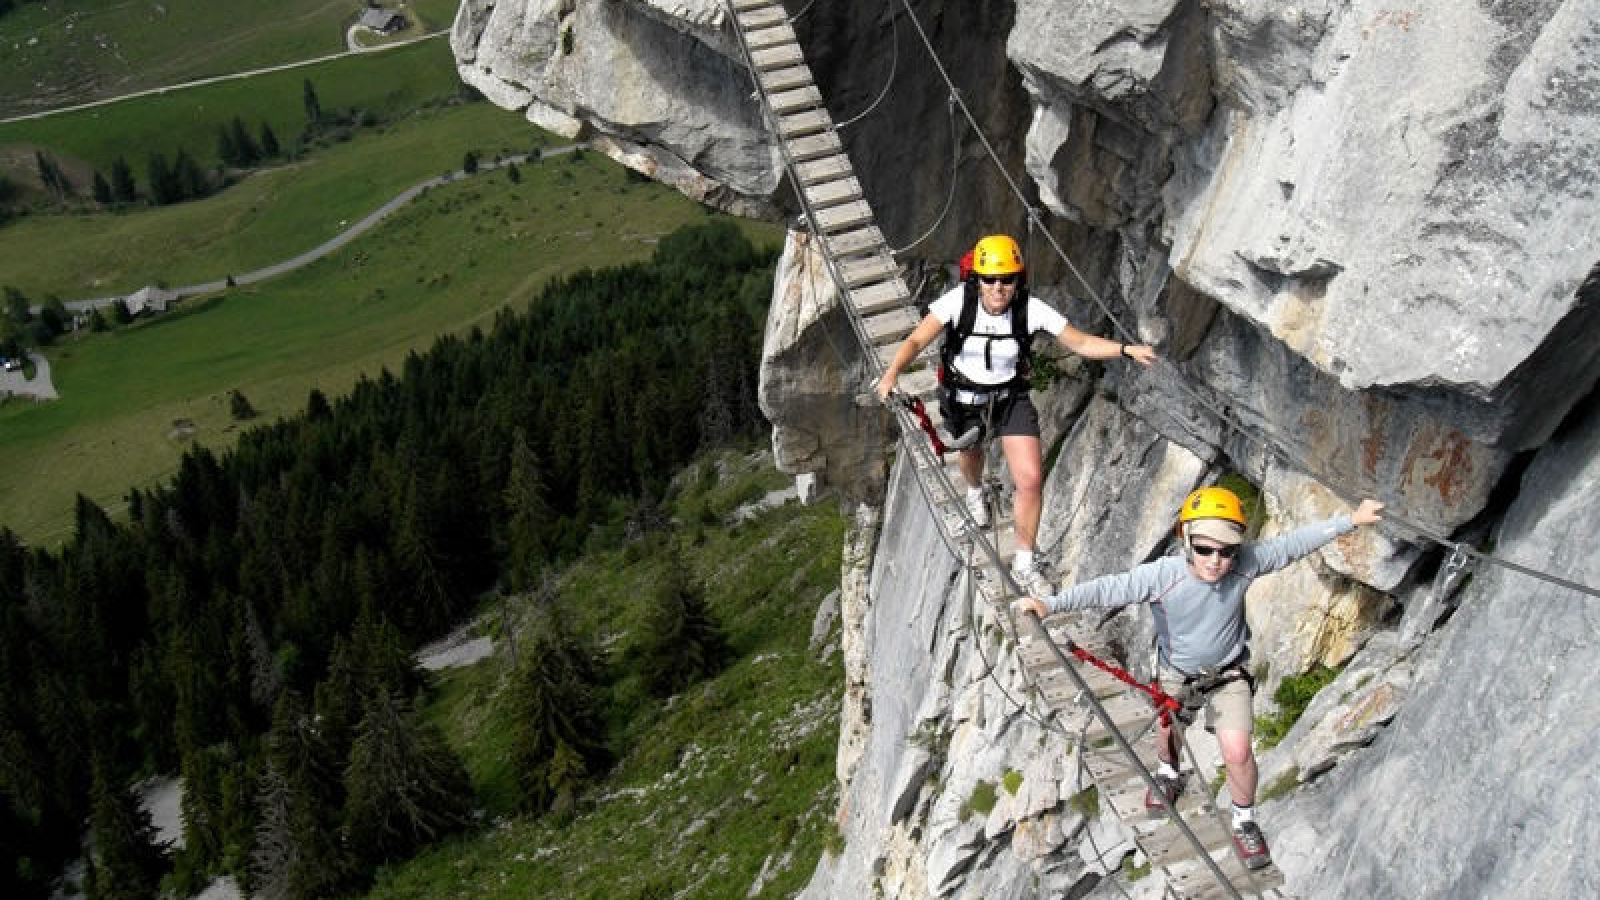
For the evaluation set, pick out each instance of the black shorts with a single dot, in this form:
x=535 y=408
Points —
x=1015 y=415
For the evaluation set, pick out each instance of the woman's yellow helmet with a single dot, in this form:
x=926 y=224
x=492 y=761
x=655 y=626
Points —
x=996 y=254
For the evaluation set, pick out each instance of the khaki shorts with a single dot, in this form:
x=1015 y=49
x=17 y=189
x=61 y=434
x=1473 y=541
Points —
x=1228 y=708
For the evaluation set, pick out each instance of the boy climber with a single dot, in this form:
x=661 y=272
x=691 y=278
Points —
x=991 y=319
x=1202 y=639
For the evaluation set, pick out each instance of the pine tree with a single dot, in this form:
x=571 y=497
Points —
x=312 y=104
x=298 y=854
x=269 y=142
x=679 y=642
x=227 y=150
x=127 y=863
x=528 y=514
x=123 y=189
x=191 y=180
x=403 y=786
x=101 y=190
x=244 y=145
x=559 y=738
x=164 y=188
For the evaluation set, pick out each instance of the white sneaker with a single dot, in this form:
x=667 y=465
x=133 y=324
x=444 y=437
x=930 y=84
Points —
x=978 y=505
x=1033 y=581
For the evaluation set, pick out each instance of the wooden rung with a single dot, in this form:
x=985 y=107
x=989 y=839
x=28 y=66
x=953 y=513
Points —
x=876 y=298
x=786 y=79
x=763 y=17
x=844 y=216
x=807 y=97
x=833 y=193
x=889 y=327
x=1191 y=879
x=814 y=145
x=855 y=243
x=779 y=57
x=808 y=122
x=868 y=270
x=771 y=36
x=819 y=171
x=744 y=5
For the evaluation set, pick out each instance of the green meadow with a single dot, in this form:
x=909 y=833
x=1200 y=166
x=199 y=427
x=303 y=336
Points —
x=270 y=216
x=387 y=84
x=64 y=52
x=134 y=399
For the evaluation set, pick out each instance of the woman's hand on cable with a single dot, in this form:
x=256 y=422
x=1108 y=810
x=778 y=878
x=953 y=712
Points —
x=1369 y=512
x=1143 y=354
x=1033 y=605
x=886 y=386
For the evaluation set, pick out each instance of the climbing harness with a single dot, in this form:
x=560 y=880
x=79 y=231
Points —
x=1276 y=446
x=919 y=410
x=961 y=330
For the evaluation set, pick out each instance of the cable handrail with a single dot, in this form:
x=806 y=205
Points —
x=909 y=437
x=1225 y=417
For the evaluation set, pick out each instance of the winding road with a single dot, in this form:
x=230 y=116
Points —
x=40 y=385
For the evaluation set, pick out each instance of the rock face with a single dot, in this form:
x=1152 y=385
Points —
x=655 y=85
x=1358 y=236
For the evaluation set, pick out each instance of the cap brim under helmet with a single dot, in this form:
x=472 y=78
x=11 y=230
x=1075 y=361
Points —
x=1220 y=530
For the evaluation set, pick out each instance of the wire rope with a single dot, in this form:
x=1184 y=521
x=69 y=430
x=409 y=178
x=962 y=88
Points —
x=1128 y=335
x=803 y=10
x=894 y=65
x=950 y=199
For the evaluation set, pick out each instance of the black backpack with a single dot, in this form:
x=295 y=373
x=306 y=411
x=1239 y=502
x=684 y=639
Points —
x=961 y=329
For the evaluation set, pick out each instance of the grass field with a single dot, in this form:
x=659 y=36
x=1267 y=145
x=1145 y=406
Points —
x=133 y=400
x=270 y=216
x=731 y=779
x=389 y=84
x=63 y=52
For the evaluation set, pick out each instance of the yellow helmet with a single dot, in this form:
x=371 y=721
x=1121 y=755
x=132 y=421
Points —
x=1212 y=512
x=996 y=254
x=1212 y=503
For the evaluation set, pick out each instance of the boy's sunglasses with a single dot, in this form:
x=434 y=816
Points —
x=998 y=279
x=1224 y=552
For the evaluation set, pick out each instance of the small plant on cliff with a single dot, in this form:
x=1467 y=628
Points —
x=1011 y=781
x=1086 y=802
x=981 y=801
x=1281 y=785
x=1293 y=695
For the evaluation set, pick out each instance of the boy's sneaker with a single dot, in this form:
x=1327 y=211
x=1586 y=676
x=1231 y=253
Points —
x=978 y=505
x=1170 y=786
x=1252 y=846
x=1032 y=580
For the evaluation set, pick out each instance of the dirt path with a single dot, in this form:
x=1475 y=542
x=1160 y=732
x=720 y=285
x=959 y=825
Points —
x=333 y=243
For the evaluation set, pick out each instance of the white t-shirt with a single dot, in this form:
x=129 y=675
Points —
x=1003 y=354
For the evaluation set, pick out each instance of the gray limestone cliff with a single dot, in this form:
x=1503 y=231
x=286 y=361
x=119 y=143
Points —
x=1358 y=235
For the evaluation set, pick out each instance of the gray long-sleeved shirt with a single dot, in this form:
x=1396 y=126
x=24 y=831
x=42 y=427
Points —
x=1199 y=625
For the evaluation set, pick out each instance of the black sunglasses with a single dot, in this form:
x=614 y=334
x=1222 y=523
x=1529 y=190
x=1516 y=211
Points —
x=998 y=279
x=1203 y=550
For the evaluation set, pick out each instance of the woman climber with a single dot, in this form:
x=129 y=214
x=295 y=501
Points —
x=984 y=380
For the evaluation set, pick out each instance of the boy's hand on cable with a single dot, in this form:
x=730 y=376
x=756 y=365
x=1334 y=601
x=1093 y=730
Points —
x=1369 y=512
x=1033 y=605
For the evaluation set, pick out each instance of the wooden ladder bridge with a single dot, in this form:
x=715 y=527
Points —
x=1195 y=857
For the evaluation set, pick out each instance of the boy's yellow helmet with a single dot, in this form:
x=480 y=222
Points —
x=1212 y=503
